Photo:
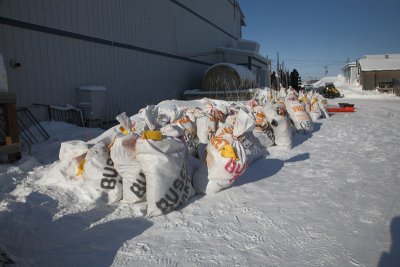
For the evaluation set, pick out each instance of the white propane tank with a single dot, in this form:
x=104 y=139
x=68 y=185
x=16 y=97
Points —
x=91 y=98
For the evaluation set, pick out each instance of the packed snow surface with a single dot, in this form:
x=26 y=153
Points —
x=333 y=200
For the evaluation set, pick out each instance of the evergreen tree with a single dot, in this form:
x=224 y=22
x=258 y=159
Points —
x=294 y=79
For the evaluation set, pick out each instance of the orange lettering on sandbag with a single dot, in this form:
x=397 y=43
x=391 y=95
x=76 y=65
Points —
x=218 y=142
x=226 y=130
x=216 y=116
x=260 y=118
x=298 y=108
x=183 y=120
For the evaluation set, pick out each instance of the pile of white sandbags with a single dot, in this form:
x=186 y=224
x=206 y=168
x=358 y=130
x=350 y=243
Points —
x=166 y=153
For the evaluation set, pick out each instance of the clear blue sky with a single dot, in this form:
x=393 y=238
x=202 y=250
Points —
x=311 y=34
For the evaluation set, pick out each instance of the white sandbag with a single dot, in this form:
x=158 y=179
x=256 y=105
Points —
x=168 y=180
x=3 y=76
x=188 y=124
x=252 y=147
x=280 y=123
x=251 y=143
x=262 y=96
x=123 y=154
x=301 y=119
x=226 y=158
x=302 y=96
x=167 y=115
x=163 y=161
x=315 y=112
x=207 y=125
x=305 y=101
x=100 y=173
x=263 y=131
x=150 y=116
x=322 y=102
x=310 y=95
x=72 y=156
x=108 y=136
x=182 y=103
x=70 y=150
x=291 y=94
x=307 y=106
x=134 y=181
x=282 y=93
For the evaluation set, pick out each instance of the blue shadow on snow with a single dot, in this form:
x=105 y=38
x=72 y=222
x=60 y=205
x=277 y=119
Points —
x=299 y=137
x=392 y=258
x=266 y=167
x=68 y=241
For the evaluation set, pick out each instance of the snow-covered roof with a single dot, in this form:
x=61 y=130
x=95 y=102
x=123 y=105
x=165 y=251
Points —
x=243 y=72
x=349 y=65
x=380 y=62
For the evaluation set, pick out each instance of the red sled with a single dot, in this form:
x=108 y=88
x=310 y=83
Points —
x=340 y=109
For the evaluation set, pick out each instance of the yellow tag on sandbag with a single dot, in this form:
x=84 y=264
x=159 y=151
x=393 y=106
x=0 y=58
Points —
x=152 y=135
x=303 y=99
x=314 y=100
x=123 y=130
x=227 y=151
x=81 y=167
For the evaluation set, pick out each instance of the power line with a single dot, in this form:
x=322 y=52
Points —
x=313 y=66
x=308 y=60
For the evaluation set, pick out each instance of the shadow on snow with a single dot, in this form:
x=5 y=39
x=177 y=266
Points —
x=392 y=258
x=299 y=138
x=30 y=234
x=264 y=168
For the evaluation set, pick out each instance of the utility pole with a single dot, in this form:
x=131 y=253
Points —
x=278 y=72
x=283 y=74
x=287 y=78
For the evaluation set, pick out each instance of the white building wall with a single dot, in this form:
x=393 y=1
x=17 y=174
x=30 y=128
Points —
x=354 y=76
x=350 y=72
x=52 y=41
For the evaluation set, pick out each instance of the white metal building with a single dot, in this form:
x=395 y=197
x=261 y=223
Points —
x=142 y=51
x=350 y=72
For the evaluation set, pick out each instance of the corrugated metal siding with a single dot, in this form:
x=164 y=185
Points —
x=131 y=77
x=53 y=65
x=144 y=23
x=219 y=12
x=353 y=74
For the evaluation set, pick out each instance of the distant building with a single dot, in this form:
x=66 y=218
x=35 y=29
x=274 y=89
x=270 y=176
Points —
x=376 y=70
x=140 y=52
x=350 y=72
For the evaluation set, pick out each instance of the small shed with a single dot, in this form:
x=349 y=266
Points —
x=379 y=70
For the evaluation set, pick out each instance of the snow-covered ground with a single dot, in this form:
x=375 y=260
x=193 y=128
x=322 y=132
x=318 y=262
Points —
x=330 y=201
x=350 y=90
